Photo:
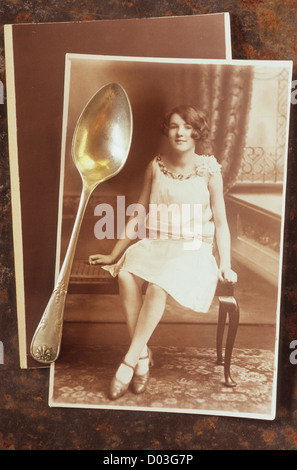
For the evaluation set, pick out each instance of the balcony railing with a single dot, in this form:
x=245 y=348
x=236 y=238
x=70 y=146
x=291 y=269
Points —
x=261 y=165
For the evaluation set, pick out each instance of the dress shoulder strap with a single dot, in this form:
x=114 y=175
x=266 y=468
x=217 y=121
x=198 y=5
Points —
x=208 y=165
x=213 y=165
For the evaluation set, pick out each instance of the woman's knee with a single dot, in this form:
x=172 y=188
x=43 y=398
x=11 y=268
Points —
x=124 y=276
x=156 y=292
x=128 y=279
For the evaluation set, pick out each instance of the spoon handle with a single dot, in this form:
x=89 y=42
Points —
x=45 y=345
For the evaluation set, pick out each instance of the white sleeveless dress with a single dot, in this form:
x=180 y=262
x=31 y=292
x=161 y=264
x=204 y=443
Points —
x=177 y=253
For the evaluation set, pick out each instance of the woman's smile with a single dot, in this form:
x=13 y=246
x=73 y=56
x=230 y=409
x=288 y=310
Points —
x=180 y=134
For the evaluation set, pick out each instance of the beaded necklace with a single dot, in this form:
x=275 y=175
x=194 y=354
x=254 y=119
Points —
x=173 y=175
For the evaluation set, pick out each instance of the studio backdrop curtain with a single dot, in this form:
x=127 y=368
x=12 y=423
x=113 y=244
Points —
x=223 y=93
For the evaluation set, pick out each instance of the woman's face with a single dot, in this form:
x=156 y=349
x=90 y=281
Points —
x=180 y=134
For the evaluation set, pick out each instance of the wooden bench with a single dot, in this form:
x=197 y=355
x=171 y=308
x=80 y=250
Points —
x=92 y=279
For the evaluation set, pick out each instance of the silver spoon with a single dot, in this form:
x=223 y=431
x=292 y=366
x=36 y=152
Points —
x=100 y=147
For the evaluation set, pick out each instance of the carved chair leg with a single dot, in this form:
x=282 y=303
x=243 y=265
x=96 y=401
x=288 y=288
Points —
x=220 y=332
x=227 y=305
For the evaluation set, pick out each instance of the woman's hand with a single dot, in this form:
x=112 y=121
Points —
x=227 y=275
x=101 y=259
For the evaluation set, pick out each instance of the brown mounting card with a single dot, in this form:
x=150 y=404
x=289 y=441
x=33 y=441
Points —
x=35 y=59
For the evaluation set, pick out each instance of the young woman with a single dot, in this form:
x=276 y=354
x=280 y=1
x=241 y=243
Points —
x=176 y=256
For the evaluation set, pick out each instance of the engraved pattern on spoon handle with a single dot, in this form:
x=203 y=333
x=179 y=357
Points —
x=45 y=345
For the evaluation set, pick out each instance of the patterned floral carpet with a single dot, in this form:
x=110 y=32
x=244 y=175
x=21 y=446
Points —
x=182 y=380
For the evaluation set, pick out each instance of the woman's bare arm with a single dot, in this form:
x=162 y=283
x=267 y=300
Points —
x=222 y=228
x=125 y=240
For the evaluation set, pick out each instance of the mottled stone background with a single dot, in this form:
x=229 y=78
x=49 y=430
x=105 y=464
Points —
x=261 y=29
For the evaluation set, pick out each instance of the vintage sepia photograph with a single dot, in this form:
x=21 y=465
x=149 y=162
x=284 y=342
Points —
x=173 y=302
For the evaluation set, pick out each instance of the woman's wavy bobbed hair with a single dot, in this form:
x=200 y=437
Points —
x=192 y=116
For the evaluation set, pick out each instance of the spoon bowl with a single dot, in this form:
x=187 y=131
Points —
x=102 y=135
x=100 y=147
